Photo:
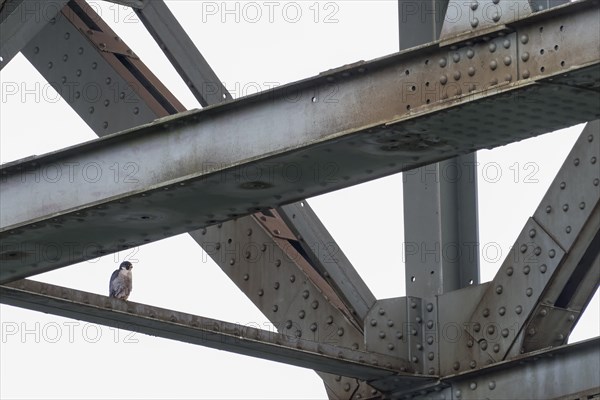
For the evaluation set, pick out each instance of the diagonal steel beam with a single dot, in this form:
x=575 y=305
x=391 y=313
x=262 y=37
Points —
x=179 y=162
x=20 y=21
x=208 y=332
x=528 y=305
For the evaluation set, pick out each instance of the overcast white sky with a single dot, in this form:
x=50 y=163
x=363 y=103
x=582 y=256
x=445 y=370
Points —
x=44 y=356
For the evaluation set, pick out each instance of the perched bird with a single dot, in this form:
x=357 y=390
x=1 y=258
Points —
x=121 y=282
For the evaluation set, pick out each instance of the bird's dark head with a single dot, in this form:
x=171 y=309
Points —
x=126 y=265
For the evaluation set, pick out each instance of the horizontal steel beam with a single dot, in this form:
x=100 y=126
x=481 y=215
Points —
x=546 y=374
x=340 y=128
x=208 y=332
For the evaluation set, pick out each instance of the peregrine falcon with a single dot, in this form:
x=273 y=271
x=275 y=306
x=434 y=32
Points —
x=120 y=281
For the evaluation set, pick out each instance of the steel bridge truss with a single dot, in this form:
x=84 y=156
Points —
x=500 y=72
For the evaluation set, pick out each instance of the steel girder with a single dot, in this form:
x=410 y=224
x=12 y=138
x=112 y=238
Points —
x=308 y=138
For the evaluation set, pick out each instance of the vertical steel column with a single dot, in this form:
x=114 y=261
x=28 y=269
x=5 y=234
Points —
x=440 y=200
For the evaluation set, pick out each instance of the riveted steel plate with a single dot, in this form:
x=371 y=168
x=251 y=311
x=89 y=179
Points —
x=575 y=192
x=82 y=77
x=514 y=292
x=465 y=19
x=549 y=327
x=387 y=328
x=454 y=311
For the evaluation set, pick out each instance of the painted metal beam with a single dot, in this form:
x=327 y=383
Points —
x=20 y=21
x=316 y=245
x=343 y=127
x=208 y=332
x=183 y=54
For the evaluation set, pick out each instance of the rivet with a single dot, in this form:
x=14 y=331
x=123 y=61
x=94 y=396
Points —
x=247 y=255
x=565 y=207
x=338 y=378
x=276 y=285
x=551 y=253
x=502 y=311
x=419 y=320
x=292 y=278
x=492 y=47
x=576 y=162
x=390 y=346
x=548 y=209
x=518 y=309
x=493 y=65
x=483 y=345
x=523 y=248
x=442 y=62
x=491 y=329
x=249 y=232
x=571 y=318
x=381 y=311
x=65 y=57
x=381 y=334
x=581 y=205
x=473 y=364
x=429 y=339
x=301 y=314
x=78 y=72
x=373 y=322
x=288 y=324
x=80 y=50
x=476 y=327
x=509 y=271
x=456 y=365
x=458 y=393
x=561 y=336
x=486 y=312
x=504 y=332
x=218 y=246
x=261 y=292
x=474 y=5
x=399 y=335
x=390 y=323
x=529 y=292
x=474 y=22
x=305 y=294
x=429 y=324
x=36 y=50
x=537 y=251
x=499 y=289
x=443 y=79
x=471 y=71
x=526 y=269
x=413 y=304
x=526 y=74
x=232 y=261
x=496 y=18
x=470 y=53
x=263 y=248
x=340 y=332
x=329 y=320
x=596 y=182
x=420 y=347
x=525 y=56
x=506 y=43
x=531 y=332
x=469 y=343
x=275 y=308
x=524 y=39
x=315 y=305
x=429 y=307
x=136 y=110
x=492 y=385
x=91 y=110
x=50 y=65
x=246 y=277
x=347 y=387
x=277 y=263
x=456 y=75
x=415 y=359
x=532 y=233
x=430 y=356
x=313 y=327
x=508 y=77
x=413 y=332
x=496 y=348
